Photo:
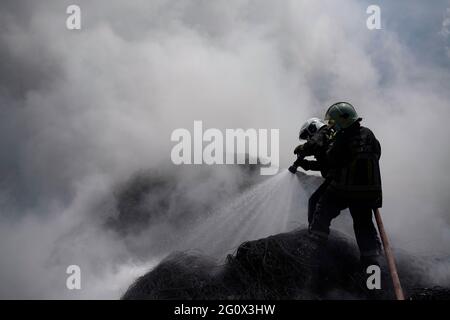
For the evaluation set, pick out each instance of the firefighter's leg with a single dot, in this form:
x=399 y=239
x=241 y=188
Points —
x=314 y=199
x=328 y=207
x=366 y=234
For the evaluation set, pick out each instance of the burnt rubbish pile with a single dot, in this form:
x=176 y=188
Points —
x=289 y=265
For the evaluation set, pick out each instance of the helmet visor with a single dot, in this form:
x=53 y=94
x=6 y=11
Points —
x=304 y=135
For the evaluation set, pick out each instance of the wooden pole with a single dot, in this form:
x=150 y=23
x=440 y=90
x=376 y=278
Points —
x=389 y=257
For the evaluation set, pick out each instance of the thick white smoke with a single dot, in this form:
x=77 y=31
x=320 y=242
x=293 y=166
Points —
x=82 y=111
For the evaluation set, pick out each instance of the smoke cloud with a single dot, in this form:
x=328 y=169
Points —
x=82 y=111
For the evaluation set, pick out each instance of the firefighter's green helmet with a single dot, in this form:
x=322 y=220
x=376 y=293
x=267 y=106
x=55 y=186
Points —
x=341 y=115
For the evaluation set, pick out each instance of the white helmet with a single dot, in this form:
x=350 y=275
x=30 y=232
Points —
x=310 y=127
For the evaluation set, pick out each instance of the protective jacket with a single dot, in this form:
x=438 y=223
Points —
x=353 y=159
x=316 y=146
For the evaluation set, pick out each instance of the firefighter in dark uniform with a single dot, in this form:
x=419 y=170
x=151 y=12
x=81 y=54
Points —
x=317 y=135
x=355 y=181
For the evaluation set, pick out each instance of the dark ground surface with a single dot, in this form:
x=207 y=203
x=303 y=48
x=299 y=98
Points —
x=284 y=266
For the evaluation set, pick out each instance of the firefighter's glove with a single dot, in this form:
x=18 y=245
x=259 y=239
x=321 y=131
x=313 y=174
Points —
x=293 y=169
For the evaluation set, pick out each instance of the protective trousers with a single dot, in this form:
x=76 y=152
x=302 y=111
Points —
x=329 y=207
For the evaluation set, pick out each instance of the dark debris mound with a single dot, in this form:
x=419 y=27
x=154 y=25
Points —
x=284 y=266
x=179 y=276
x=433 y=293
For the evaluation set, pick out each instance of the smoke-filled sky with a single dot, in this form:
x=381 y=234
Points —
x=82 y=111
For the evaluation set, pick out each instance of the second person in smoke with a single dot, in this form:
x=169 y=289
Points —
x=317 y=135
x=355 y=180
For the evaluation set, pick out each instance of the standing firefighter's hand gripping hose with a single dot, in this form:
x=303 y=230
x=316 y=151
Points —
x=389 y=257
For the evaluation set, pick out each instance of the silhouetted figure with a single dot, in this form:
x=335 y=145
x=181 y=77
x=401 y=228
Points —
x=355 y=181
x=317 y=136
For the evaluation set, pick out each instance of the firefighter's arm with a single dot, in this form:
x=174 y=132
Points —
x=305 y=150
x=299 y=149
x=311 y=165
x=308 y=165
x=337 y=154
x=377 y=148
x=305 y=164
